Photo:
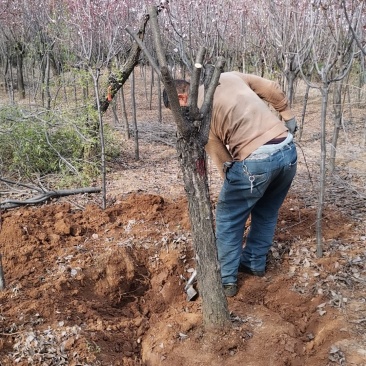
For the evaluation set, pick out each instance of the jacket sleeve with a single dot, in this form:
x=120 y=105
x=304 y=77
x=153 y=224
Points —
x=271 y=92
x=217 y=152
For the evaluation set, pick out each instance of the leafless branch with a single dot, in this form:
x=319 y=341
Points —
x=7 y=204
x=20 y=184
x=363 y=50
x=115 y=83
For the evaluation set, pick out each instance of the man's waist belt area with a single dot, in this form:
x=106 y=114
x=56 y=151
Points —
x=270 y=147
x=275 y=141
x=264 y=150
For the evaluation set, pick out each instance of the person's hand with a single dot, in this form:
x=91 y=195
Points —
x=291 y=124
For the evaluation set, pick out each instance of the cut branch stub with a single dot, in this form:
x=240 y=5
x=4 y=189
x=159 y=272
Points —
x=195 y=80
x=211 y=85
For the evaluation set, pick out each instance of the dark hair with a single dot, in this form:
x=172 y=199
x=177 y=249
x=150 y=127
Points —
x=182 y=87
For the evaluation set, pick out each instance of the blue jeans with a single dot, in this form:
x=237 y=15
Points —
x=258 y=186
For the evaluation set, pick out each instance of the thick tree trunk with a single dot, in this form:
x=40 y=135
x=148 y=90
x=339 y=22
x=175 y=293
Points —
x=191 y=156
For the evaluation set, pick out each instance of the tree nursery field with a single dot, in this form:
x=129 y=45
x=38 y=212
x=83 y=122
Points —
x=86 y=286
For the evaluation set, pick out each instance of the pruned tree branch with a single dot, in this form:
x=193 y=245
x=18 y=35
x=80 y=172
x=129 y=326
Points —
x=116 y=82
x=211 y=82
x=207 y=103
x=46 y=196
x=195 y=78
x=8 y=181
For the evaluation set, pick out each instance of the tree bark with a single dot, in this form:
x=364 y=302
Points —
x=191 y=157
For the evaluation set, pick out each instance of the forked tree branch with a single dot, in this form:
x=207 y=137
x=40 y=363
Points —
x=194 y=113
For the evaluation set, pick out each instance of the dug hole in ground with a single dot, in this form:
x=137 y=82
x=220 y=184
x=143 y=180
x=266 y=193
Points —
x=86 y=286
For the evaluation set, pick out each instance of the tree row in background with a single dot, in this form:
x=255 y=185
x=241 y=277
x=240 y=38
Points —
x=41 y=40
x=58 y=55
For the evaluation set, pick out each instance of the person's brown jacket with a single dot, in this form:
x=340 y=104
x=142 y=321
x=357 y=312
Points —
x=241 y=119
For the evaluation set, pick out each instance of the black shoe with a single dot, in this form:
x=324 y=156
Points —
x=230 y=289
x=246 y=269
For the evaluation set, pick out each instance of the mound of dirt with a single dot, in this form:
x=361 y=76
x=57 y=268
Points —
x=106 y=287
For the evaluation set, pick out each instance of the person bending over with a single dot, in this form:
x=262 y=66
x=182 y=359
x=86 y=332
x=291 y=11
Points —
x=256 y=156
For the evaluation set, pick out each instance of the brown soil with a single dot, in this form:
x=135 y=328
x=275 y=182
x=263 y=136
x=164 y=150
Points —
x=86 y=286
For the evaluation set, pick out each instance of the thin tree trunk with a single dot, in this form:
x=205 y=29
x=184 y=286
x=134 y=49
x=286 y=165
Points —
x=64 y=85
x=337 y=109
x=86 y=91
x=6 y=68
x=47 y=82
x=290 y=77
x=75 y=90
x=160 y=114
x=11 y=86
x=151 y=87
x=362 y=78
x=2 y=277
x=124 y=115
x=144 y=76
x=101 y=137
x=42 y=80
x=114 y=111
x=34 y=84
x=133 y=105
x=20 y=76
x=303 y=113
x=323 y=154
